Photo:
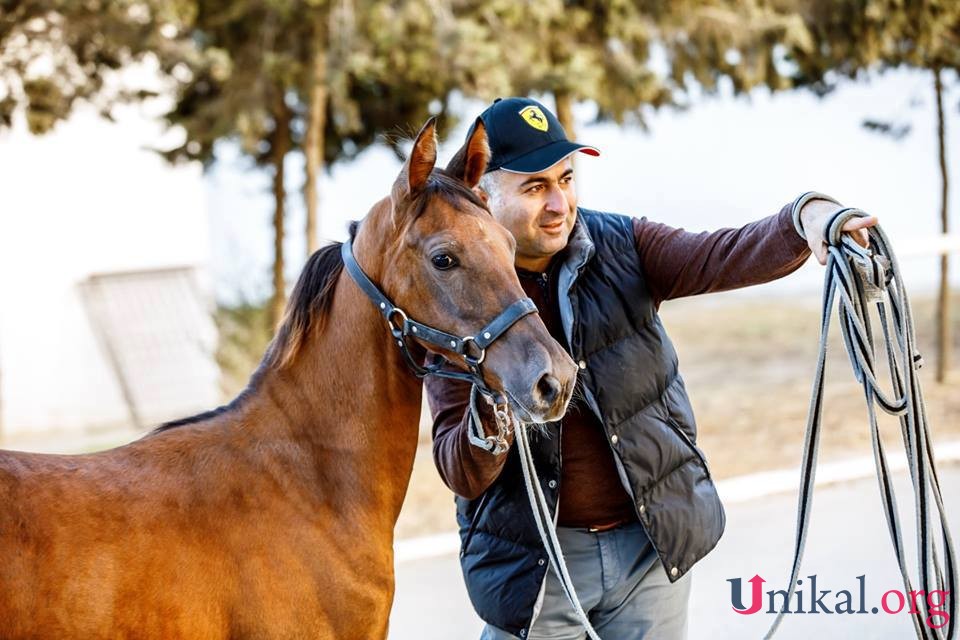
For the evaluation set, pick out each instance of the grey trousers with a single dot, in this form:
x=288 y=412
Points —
x=621 y=585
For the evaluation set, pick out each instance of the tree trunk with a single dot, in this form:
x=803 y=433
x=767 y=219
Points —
x=316 y=123
x=943 y=299
x=564 y=103
x=280 y=148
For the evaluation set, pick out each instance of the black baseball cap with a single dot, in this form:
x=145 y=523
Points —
x=525 y=137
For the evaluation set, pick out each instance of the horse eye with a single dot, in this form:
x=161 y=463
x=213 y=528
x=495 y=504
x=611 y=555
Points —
x=443 y=261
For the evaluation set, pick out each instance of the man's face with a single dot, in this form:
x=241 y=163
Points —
x=539 y=210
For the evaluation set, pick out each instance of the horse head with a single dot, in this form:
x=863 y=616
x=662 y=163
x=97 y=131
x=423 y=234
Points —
x=437 y=252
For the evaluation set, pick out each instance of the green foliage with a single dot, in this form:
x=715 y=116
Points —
x=54 y=53
x=742 y=41
x=586 y=50
x=603 y=51
x=852 y=36
x=386 y=68
x=231 y=90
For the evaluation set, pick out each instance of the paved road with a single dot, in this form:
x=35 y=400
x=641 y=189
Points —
x=848 y=538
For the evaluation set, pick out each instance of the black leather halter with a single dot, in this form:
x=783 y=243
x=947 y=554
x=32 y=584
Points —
x=472 y=349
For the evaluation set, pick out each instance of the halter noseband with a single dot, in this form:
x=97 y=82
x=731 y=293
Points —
x=472 y=349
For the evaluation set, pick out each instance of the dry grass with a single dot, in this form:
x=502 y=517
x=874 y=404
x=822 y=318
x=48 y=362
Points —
x=749 y=365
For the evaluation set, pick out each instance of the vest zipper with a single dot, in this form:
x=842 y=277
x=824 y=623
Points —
x=621 y=471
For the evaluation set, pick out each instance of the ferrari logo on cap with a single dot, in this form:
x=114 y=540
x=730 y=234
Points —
x=534 y=117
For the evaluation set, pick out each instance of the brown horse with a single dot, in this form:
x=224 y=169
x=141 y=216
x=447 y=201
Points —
x=273 y=517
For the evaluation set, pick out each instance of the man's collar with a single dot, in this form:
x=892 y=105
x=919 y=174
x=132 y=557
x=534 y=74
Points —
x=580 y=247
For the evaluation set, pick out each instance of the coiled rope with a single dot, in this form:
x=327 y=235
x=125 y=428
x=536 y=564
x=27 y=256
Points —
x=859 y=278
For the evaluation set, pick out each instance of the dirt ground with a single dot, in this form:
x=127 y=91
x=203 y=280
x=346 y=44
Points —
x=749 y=365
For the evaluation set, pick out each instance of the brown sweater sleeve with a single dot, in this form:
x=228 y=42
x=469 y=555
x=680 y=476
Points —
x=678 y=263
x=465 y=468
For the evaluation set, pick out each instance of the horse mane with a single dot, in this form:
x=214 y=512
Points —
x=309 y=303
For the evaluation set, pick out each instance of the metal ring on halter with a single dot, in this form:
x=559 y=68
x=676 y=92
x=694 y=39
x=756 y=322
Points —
x=389 y=316
x=431 y=337
x=498 y=445
x=471 y=360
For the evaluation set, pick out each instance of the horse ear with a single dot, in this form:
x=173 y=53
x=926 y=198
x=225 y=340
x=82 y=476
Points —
x=416 y=170
x=470 y=162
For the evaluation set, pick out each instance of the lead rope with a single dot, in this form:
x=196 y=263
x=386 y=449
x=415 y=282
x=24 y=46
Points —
x=548 y=532
x=859 y=278
x=496 y=444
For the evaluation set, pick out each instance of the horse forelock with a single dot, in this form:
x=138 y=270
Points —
x=448 y=188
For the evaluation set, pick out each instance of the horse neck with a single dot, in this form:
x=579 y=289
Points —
x=349 y=401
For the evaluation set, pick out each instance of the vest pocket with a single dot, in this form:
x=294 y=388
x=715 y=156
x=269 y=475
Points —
x=686 y=438
x=676 y=403
x=473 y=522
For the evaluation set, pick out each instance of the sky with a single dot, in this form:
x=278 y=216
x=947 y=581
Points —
x=724 y=162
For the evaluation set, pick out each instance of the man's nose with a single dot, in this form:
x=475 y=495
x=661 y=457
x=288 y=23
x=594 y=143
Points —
x=556 y=200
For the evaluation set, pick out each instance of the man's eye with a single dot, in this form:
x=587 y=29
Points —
x=443 y=261
x=535 y=188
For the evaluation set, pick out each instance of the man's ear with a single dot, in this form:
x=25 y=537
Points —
x=416 y=170
x=481 y=194
x=470 y=162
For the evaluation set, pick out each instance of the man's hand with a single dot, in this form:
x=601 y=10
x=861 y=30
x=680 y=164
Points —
x=814 y=217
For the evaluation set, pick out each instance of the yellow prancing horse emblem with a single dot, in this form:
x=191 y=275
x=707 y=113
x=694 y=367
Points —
x=535 y=118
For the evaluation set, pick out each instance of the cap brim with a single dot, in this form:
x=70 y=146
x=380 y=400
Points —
x=545 y=157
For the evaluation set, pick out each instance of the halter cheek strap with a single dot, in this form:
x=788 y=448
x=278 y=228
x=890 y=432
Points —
x=472 y=349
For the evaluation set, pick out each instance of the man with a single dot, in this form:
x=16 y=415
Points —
x=635 y=505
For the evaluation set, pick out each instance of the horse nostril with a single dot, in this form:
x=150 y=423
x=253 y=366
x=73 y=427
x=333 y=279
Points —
x=549 y=388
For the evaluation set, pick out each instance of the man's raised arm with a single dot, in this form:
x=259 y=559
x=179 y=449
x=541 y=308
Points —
x=678 y=263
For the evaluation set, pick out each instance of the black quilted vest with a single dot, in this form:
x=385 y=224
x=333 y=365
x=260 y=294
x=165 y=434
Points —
x=632 y=384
